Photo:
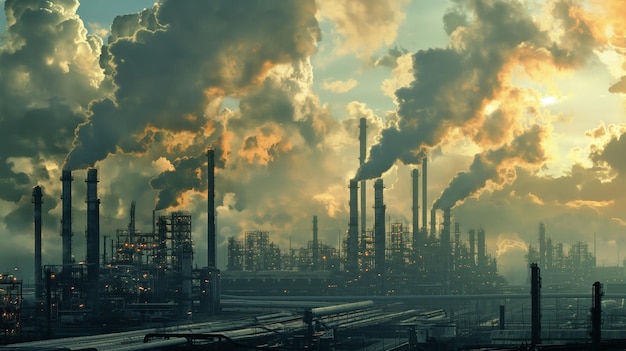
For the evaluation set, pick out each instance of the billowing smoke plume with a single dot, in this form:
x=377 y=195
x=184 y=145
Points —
x=452 y=86
x=170 y=62
x=49 y=73
x=524 y=151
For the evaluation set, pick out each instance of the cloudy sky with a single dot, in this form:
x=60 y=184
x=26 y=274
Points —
x=519 y=105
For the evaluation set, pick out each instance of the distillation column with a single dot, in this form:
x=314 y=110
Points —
x=37 y=195
x=379 y=227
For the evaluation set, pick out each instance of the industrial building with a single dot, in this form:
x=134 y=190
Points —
x=139 y=279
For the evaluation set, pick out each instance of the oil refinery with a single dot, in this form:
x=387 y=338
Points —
x=429 y=286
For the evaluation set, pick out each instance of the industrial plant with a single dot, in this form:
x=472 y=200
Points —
x=428 y=285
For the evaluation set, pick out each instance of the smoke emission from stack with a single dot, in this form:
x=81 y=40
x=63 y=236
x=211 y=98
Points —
x=524 y=150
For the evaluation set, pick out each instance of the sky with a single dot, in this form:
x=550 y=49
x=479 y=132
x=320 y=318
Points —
x=519 y=106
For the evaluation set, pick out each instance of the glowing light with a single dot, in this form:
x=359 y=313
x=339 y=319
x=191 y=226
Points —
x=549 y=100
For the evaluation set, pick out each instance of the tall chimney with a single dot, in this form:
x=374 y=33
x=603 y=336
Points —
x=542 y=245
x=415 y=174
x=66 y=217
x=457 y=245
x=211 y=237
x=433 y=222
x=596 y=316
x=425 y=195
x=212 y=285
x=472 y=248
x=481 y=257
x=379 y=226
x=363 y=153
x=535 y=301
x=93 y=238
x=445 y=244
x=316 y=253
x=353 y=231
x=37 y=195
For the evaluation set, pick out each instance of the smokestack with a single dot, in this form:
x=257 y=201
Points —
x=363 y=153
x=379 y=226
x=433 y=222
x=472 y=248
x=316 y=254
x=542 y=245
x=596 y=316
x=424 y=194
x=93 y=237
x=481 y=257
x=211 y=239
x=415 y=174
x=535 y=301
x=445 y=244
x=37 y=195
x=457 y=244
x=66 y=217
x=353 y=231
x=212 y=302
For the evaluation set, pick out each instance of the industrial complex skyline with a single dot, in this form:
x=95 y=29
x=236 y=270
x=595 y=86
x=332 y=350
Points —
x=519 y=106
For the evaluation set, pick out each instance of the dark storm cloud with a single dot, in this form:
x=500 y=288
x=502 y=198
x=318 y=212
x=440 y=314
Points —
x=171 y=67
x=452 y=85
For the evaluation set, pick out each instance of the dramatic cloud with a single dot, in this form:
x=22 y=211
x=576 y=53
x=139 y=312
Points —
x=166 y=71
x=453 y=86
x=49 y=73
x=364 y=25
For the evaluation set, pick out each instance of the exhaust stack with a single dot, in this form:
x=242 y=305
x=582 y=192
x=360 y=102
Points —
x=93 y=238
x=66 y=217
x=425 y=195
x=353 y=231
x=211 y=240
x=379 y=226
x=415 y=174
x=212 y=282
x=363 y=153
x=316 y=254
x=37 y=195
